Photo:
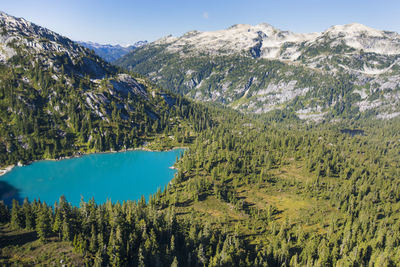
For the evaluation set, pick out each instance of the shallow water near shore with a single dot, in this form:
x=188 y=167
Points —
x=115 y=176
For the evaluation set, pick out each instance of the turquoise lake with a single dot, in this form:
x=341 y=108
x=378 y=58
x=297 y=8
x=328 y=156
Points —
x=115 y=176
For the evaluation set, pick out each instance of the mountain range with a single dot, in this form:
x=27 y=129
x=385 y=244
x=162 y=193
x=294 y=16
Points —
x=110 y=52
x=345 y=71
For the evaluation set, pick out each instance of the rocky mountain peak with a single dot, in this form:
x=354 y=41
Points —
x=354 y=29
x=19 y=26
x=361 y=37
x=18 y=32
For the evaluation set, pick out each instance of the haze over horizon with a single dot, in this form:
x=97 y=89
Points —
x=123 y=22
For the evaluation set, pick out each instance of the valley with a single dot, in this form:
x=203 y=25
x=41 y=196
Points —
x=109 y=52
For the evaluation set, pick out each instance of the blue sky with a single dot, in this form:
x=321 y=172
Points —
x=124 y=22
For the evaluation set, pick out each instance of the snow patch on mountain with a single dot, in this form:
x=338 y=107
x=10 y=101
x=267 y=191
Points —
x=387 y=116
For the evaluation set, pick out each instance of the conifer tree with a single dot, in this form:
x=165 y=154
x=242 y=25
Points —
x=29 y=215
x=17 y=219
x=4 y=213
x=43 y=223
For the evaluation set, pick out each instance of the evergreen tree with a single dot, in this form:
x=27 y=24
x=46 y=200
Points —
x=4 y=213
x=17 y=218
x=30 y=219
x=43 y=223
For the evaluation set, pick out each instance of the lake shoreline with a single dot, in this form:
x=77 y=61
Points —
x=7 y=169
x=117 y=176
x=79 y=154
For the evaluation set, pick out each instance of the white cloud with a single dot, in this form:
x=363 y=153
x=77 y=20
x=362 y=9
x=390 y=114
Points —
x=205 y=14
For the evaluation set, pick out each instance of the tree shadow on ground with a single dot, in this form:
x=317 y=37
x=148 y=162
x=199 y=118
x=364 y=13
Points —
x=8 y=238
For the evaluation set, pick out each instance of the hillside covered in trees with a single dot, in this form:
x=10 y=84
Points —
x=247 y=193
x=58 y=99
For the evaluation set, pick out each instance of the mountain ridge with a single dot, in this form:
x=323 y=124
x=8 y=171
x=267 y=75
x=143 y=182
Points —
x=272 y=37
x=257 y=69
x=110 y=52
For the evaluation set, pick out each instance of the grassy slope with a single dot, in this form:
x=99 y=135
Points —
x=293 y=207
x=22 y=247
